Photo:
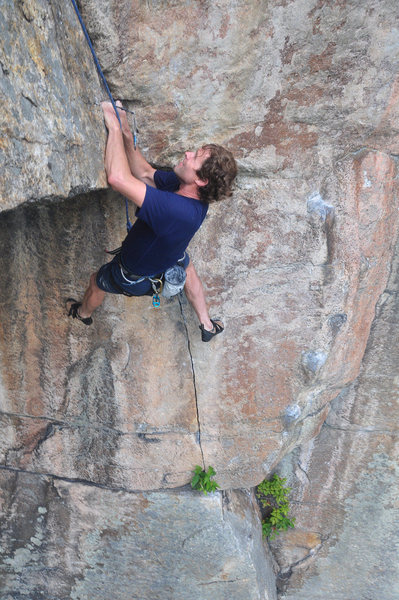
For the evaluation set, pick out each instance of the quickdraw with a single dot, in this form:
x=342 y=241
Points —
x=157 y=285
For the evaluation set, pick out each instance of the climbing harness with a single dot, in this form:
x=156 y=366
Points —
x=166 y=284
x=102 y=77
x=157 y=282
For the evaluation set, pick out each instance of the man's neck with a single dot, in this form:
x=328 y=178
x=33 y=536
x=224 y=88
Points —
x=189 y=190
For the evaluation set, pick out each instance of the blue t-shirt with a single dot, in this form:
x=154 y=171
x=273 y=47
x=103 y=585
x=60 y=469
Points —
x=165 y=224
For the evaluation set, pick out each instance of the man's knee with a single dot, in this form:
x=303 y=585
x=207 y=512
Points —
x=93 y=281
x=191 y=275
x=190 y=271
x=193 y=282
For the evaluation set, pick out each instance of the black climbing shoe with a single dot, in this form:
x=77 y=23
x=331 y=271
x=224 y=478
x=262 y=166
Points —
x=206 y=335
x=73 y=312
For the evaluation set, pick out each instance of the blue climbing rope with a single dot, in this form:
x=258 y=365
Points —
x=100 y=72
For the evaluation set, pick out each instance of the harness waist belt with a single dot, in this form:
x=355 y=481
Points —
x=130 y=275
x=134 y=277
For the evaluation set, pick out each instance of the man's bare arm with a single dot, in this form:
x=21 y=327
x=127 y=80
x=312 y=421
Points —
x=117 y=166
x=138 y=165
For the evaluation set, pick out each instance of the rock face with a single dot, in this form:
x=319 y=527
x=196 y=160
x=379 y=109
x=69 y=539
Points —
x=148 y=545
x=51 y=130
x=304 y=92
x=345 y=482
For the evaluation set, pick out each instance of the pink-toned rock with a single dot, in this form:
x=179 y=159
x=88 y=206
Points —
x=344 y=483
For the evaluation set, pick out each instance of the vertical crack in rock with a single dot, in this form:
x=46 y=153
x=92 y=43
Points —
x=286 y=572
x=47 y=433
x=193 y=372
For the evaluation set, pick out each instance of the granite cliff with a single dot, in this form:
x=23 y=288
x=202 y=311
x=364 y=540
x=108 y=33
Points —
x=102 y=426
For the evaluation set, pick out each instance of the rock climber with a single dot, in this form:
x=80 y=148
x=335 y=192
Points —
x=170 y=208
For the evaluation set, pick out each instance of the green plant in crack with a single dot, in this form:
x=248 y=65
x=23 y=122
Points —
x=202 y=480
x=273 y=497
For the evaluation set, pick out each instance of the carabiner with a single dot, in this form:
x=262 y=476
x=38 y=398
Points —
x=135 y=130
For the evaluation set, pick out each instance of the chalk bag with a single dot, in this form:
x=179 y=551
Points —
x=174 y=280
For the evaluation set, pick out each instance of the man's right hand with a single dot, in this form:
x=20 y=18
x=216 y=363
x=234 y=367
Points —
x=123 y=118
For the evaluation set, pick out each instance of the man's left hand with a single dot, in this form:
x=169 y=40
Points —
x=110 y=118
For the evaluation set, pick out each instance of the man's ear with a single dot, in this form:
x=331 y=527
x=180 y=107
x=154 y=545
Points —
x=201 y=182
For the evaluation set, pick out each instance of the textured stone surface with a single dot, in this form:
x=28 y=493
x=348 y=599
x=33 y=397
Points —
x=50 y=128
x=114 y=403
x=117 y=403
x=345 y=483
x=278 y=302
x=305 y=93
x=82 y=542
x=283 y=81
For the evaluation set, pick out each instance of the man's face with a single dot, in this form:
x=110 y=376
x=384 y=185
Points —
x=187 y=169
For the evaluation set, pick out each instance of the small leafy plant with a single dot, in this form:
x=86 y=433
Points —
x=273 y=497
x=202 y=480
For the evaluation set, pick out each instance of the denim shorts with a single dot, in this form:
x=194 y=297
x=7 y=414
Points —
x=110 y=279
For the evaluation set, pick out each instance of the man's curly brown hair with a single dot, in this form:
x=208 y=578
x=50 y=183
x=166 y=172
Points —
x=220 y=170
